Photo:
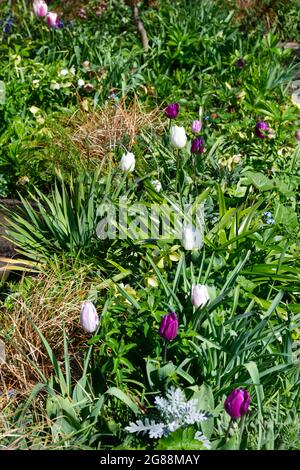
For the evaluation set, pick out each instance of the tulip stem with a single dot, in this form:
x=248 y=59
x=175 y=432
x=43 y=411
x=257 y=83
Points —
x=165 y=351
x=228 y=429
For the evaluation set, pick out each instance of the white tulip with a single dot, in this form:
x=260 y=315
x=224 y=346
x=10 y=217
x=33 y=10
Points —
x=89 y=318
x=200 y=295
x=178 y=137
x=157 y=185
x=127 y=162
x=191 y=238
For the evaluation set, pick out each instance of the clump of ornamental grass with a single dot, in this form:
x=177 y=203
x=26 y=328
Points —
x=51 y=301
x=97 y=134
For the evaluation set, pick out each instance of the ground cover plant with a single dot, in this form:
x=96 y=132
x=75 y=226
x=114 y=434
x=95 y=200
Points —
x=153 y=298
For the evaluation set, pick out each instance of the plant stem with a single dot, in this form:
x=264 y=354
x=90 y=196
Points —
x=165 y=351
x=228 y=429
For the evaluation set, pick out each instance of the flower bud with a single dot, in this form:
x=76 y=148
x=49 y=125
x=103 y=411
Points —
x=89 y=318
x=172 y=110
x=237 y=403
x=261 y=128
x=127 y=162
x=191 y=238
x=169 y=326
x=53 y=20
x=178 y=137
x=297 y=135
x=40 y=8
x=196 y=126
x=198 y=145
x=199 y=296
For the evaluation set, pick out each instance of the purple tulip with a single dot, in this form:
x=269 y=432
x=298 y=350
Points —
x=169 y=326
x=53 y=20
x=172 y=110
x=297 y=135
x=261 y=128
x=240 y=63
x=198 y=145
x=196 y=126
x=237 y=403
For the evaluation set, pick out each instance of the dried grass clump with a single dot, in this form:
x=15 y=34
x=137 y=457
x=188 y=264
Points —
x=50 y=302
x=97 y=134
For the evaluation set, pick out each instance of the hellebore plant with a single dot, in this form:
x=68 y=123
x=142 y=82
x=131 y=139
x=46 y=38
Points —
x=168 y=329
x=89 y=318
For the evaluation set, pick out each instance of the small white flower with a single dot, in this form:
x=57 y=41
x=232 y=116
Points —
x=199 y=296
x=127 y=162
x=80 y=83
x=157 y=185
x=178 y=137
x=64 y=72
x=72 y=70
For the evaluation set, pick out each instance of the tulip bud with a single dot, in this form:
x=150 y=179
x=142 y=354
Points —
x=261 y=128
x=196 y=126
x=172 y=110
x=40 y=8
x=169 y=326
x=178 y=137
x=237 y=403
x=191 y=238
x=89 y=318
x=127 y=162
x=157 y=185
x=199 y=296
x=53 y=20
x=198 y=145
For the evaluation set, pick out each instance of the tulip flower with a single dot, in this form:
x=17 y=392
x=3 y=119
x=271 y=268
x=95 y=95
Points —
x=53 y=20
x=40 y=8
x=237 y=403
x=172 y=110
x=198 y=145
x=178 y=137
x=127 y=162
x=169 y=326
x=199 y=295
x=89 y=318
x=261 y=128
x=191 y=238
x=297 y=135
x=196 y=126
